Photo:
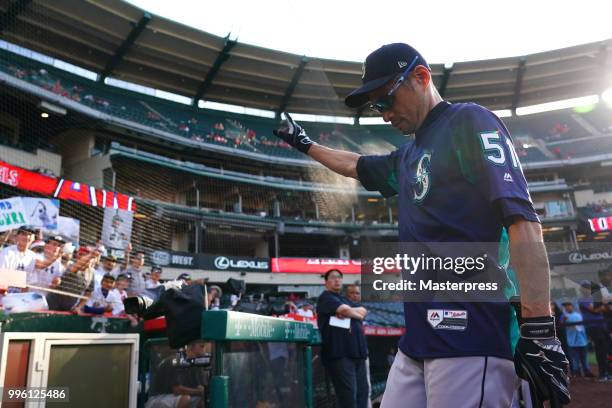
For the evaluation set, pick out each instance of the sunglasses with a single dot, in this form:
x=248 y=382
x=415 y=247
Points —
x=384 y=103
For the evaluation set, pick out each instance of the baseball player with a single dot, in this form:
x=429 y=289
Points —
x=459 y=180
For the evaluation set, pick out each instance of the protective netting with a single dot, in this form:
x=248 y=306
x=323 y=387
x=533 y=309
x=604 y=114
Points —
x=122 y=168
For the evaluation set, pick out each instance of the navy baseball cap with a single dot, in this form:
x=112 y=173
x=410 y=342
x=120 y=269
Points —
x=380 y=67
x=26 y=229
x=57 y=238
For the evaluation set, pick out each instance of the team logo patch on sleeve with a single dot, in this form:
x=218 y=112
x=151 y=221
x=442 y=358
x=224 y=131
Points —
x=447 y=319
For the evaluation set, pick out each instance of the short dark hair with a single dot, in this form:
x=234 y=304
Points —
x=108 y=276
x=326 y=276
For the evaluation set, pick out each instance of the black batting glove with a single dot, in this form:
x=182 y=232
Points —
x=294 y=134
x=540 y=360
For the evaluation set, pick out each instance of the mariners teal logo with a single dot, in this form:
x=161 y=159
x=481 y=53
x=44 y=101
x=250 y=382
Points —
x=423 y=177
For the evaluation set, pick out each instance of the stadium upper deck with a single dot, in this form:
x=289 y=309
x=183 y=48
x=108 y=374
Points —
x=116 y=39
x=546 y=137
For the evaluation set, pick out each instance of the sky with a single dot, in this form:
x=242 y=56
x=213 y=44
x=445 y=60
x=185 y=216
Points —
x=444 y=32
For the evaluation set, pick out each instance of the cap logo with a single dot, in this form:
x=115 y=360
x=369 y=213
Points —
x=402 y=64
x=363 y=71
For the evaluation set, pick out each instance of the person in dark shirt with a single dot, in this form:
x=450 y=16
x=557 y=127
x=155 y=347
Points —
x=174 y=387
x=343 y=349
x=592 y=312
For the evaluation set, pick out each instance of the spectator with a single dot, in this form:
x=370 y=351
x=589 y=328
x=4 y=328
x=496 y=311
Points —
x=101 y=300
x=8 y=238
x=77 y=280
x=153 y=281
x=214 y=297
x=119 y=293
x=305 y=310
x=67 y=254
x=38 y=247
x=353 y=293
x=178 y=387
x=19 y=256
x=49 y=277
x=605 y=281
x=107 y=267
x=137 y=284
x=185 y=277
x=592 y=313
x=343 y=349
x=576 y=340
x=557 y=313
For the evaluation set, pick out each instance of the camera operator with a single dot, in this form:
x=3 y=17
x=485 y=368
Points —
x=178 y=387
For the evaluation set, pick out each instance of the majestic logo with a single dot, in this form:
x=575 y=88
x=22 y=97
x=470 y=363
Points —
x=434 y=317
x=508 y=177
x=402 y=64
x=423 y=179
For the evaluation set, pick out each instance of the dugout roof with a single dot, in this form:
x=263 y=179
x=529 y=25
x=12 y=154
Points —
x=117 y=39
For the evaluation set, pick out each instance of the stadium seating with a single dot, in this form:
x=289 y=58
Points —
x=386 y=314
x=254 y=134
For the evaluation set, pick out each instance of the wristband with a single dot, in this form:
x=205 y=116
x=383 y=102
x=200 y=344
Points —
x=538 y=328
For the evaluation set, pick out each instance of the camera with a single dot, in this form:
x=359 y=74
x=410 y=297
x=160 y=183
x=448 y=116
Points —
x=181 y=304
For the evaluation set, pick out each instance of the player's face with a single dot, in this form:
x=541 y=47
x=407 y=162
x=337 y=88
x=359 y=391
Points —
x=109 y=264
x=409 y=105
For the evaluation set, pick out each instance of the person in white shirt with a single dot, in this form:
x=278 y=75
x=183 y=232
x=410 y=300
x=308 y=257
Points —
x=108 y=265
x=77 y=280
x=119 y=294
x=136 y=271
x=49 y=277
x=305 y=310
x=153 y=281
x=101 y=300
x=19 y=256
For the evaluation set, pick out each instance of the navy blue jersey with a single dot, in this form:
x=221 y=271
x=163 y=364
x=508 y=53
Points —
x=460 y=180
